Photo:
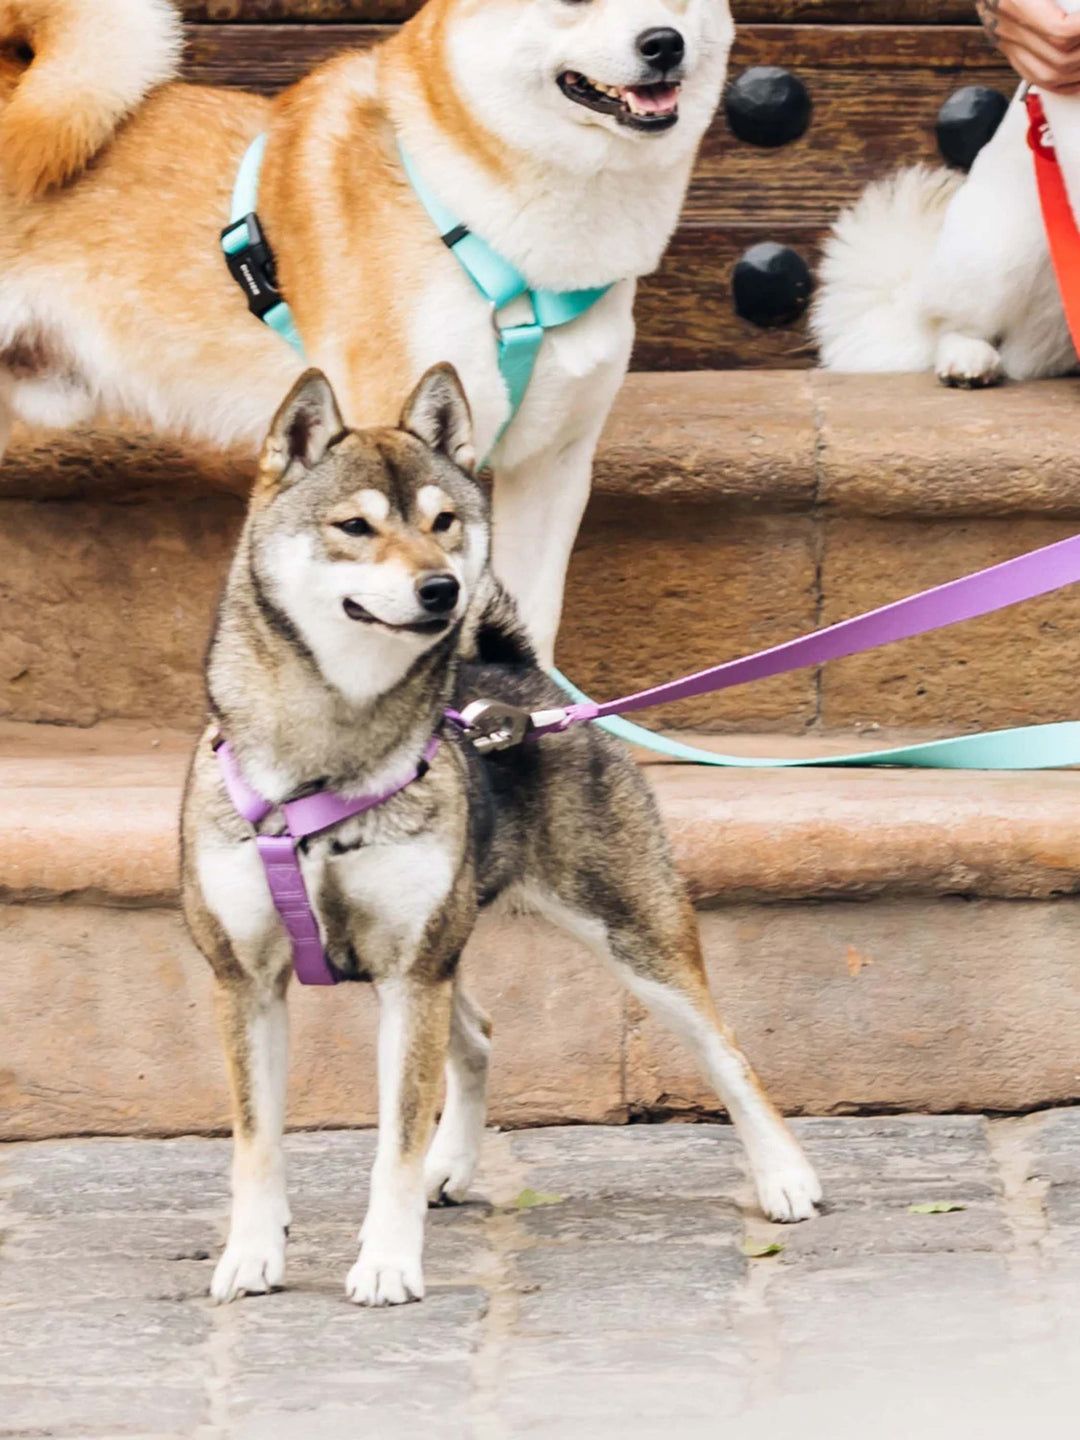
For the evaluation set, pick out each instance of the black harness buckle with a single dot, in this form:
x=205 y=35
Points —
x=252 y=264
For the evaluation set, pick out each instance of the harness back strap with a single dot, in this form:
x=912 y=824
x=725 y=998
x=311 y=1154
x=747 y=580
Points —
x=248 y=255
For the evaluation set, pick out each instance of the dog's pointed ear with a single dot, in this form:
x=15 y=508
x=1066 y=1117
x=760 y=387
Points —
x=438 y=413
x=303 y=428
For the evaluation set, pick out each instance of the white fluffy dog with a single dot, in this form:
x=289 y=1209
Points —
x=932 y=270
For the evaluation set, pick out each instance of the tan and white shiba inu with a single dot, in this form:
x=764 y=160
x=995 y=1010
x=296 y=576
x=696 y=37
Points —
x=932 y=270
x=562 y=132
x=358 y=608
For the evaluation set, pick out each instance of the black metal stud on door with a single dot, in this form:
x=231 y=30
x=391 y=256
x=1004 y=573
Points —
x=771 y=285
x=767 y=106
x=966 y=121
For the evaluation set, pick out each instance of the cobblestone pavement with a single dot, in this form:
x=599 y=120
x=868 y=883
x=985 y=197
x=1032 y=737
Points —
x=627 y=1306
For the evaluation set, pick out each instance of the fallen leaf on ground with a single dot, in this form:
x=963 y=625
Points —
x=936 y=1207
x=855 y=961
x=758 y=1250
x=531 y=1199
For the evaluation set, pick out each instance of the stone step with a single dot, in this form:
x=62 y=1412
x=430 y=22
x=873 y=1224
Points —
x=950 y=986
x=733 y=510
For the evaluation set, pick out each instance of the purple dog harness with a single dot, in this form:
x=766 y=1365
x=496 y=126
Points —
x=492 y=725
x=309 y=816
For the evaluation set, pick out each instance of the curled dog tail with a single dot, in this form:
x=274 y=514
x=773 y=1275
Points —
x=866 y=314
x=70 y=71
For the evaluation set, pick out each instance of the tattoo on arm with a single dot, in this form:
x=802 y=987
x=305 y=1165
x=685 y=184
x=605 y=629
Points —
x=989 y=12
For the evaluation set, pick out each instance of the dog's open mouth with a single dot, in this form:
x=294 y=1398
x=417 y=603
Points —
x=640 y=107
x=420 y=627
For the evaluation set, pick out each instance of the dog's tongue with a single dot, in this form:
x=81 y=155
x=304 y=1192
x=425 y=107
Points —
x=652 y=99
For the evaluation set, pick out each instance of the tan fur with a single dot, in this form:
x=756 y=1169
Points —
x=170 y=172
x=173 y=165
x=232 y=1005
x=427 y=1044
x=115 y=301
x=124 y=203
x=418 y=53
x=90 y=67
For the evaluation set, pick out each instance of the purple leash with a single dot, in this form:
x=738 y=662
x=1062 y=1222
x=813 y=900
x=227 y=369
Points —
x=309 y=816
x=1027 y=576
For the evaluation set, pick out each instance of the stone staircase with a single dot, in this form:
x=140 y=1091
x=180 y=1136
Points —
x=886 y=940
x=882 y=940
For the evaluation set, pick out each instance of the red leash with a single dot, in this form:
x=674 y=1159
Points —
x=1062 y=232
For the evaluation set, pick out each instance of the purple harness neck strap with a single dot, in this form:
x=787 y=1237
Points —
x=281 y=862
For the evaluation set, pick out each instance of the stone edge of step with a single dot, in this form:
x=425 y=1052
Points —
x=89 y=815
x=879 y=445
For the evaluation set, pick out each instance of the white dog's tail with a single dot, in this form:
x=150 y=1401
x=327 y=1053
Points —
x=866 y=314
x=90 y=63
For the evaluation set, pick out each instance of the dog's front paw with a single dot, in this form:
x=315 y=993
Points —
x=789 y=1191
x=967 y=364
x=449 y=1173
x=384 y=1280
x=250 y=1266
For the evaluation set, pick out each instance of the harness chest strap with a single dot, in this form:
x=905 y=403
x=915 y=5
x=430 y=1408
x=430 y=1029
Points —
x=309 y=816
x=248 y=254
x=500 y=283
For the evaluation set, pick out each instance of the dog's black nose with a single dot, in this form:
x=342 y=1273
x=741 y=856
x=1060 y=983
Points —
x=662 y=47
x=438 y=594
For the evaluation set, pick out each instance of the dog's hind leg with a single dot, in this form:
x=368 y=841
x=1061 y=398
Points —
x=650 y=934
x=255 y=1030
x=965 y=362
x=988 y=289
x=414 y=1034
x=455 y=1152
x=786 y=1184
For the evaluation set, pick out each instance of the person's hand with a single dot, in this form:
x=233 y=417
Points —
x=1039 y=40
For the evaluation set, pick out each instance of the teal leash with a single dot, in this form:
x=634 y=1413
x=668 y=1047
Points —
x=1031 y=747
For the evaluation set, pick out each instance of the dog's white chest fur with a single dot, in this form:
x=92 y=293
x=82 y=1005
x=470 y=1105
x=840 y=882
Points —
x=391 y=891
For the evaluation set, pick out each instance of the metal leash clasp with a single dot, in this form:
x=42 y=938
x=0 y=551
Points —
x=494 y=725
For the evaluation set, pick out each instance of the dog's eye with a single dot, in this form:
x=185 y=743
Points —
x=355 y=527
x=442 y=522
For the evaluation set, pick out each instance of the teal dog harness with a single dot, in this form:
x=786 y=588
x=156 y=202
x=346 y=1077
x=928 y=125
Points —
x=500 y=284
x=251 y=262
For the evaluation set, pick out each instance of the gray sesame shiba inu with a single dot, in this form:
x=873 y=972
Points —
x=359 y=608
